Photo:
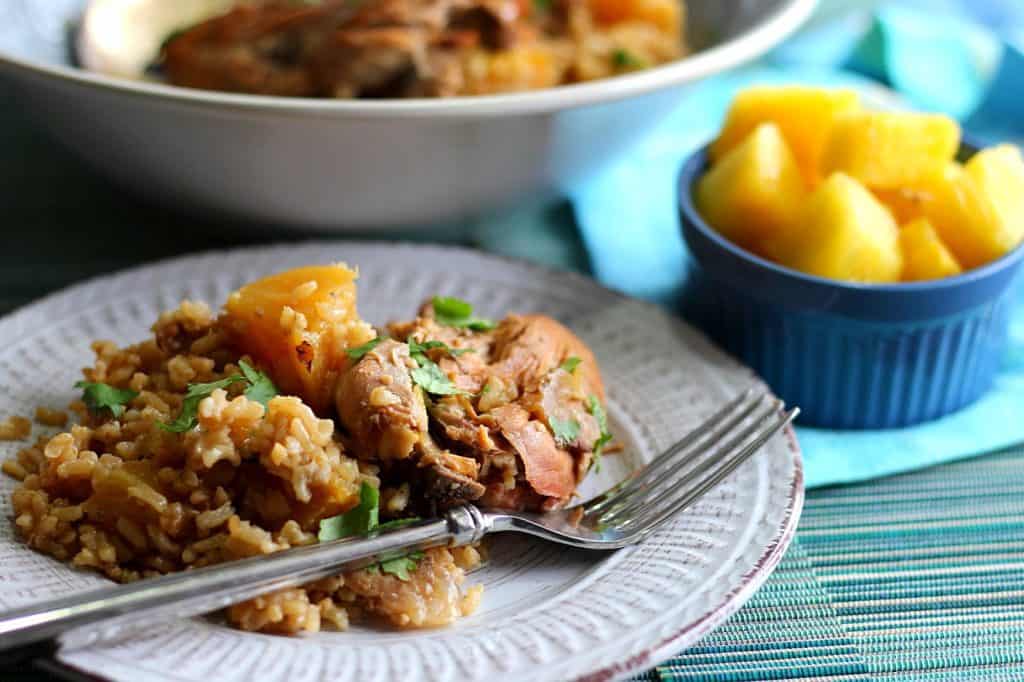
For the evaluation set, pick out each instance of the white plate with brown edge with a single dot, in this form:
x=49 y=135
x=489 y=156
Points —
x=548 y=612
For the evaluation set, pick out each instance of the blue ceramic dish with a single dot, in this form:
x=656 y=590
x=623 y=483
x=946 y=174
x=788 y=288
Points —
x=853 y=356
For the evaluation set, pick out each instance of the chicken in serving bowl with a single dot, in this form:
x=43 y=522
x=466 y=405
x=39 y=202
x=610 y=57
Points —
x=389 y=48
x=387 y=154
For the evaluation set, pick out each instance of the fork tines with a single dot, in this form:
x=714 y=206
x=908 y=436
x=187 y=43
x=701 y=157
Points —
x=687 y=470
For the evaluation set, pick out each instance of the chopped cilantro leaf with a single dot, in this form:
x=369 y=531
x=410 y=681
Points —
x=594 y=406
x=542 y=6
x=358 y=352
x=428 y=375
x=454 y=312
x=400 y=567
x=187 y=419
x=359 y=520
x=398 y=523
x=432 y=378
x=415 y=347
x=623 y=59
x=98 y=397
x=261 y=388
x=363 y=519
x=570 y=364
x=451 y=307
x=566 y=430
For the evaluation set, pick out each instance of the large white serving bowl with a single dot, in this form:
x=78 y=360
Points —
x=356 y=164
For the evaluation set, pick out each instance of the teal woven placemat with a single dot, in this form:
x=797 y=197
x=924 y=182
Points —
x=917 y=577
x=913 y=577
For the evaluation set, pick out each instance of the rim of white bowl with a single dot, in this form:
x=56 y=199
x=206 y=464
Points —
x=742 y=48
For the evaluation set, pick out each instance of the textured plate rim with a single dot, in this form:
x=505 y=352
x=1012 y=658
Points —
x=694 y=631
x=660 y=651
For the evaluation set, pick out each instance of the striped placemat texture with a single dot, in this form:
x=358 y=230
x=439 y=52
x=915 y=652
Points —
x=913 y=577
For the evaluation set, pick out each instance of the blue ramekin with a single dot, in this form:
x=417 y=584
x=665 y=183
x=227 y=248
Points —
x=852 y=356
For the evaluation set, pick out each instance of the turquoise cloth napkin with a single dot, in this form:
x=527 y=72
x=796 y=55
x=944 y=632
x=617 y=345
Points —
x=937 y=55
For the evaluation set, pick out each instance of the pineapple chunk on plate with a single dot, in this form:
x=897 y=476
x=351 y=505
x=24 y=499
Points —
x=924 y=254
x=803 y=114
x=298 y=324
x=844 y=233
x=890 y=149
x=752 y=194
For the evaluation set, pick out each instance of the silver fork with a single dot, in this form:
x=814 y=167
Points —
x=623 y=515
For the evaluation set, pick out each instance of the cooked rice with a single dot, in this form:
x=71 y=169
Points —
x=131 y=500
x=50 y=417
x=15 y=428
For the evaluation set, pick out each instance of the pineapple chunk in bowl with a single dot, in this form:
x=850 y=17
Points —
x=828 y=314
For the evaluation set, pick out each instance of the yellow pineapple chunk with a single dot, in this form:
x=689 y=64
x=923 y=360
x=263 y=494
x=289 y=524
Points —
x=924 y=254
x=297 y=325
x=889 y=149
x=909 y=203
x=844 y=233
x=978 y=209
x=997 y=174
x=803 y=114
x=752 y=194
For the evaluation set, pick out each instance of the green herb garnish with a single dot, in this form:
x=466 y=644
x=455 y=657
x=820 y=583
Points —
x=416 y=347
x=400 y=567
x=358 y=352
x=260 y=389
x=98 y=397
x=431 y=378
x=570 y=364
x=542 y=6
x=566 y=430
x=623 y=59
x=364 y=519
x=454 y=312
x=359 y=520
x=594 y=407
x=428 y=375
x=398 y=523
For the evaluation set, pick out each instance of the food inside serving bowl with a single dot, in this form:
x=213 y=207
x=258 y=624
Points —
x=808 y=178
x=406 y=48
x=288 y=420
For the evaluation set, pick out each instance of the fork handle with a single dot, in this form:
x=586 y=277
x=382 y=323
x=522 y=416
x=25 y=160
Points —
x=116 y=612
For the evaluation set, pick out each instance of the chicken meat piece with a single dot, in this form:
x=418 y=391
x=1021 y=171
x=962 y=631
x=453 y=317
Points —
x=548 y=469
x=375 y=48
x=385 y=415
x=379 y=405
x=513 y=425
x=522 y=412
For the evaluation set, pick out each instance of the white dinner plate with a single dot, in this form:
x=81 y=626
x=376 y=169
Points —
x=548 y=613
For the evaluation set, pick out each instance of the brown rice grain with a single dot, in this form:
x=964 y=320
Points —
x=13 y=469
x=51 y=417
x=15 y=428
